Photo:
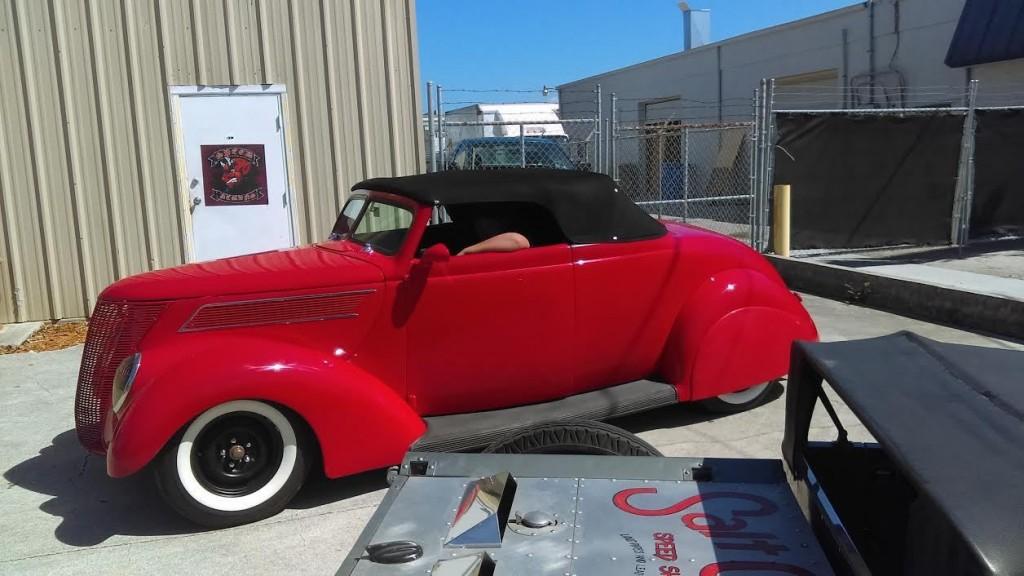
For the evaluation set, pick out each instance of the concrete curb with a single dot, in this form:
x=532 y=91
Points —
x=16 y=334
x=959 y=308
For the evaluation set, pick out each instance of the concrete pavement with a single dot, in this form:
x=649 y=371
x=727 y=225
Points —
x=60 y=514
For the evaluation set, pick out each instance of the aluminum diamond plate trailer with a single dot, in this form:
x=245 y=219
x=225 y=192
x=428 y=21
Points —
x=937 y=494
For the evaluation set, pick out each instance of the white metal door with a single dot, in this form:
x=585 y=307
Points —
x=236 y=173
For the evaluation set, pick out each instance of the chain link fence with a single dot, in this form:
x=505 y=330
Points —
x=698 y=174
x=489 y=145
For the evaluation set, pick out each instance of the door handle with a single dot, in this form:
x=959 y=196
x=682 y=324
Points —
x=196 y=201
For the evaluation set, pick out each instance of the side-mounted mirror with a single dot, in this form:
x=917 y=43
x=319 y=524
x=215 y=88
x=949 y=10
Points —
x=436 y=254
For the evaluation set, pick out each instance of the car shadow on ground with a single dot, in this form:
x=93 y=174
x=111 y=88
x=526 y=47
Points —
x=320 y=490
x=93 y=507
x=679 y=415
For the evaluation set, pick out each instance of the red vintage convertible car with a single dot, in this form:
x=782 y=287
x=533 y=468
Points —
x=230 y=378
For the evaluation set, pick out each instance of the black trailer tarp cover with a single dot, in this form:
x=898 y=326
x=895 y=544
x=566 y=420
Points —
x=998 y=205
x=951 y=418
x=861 y=180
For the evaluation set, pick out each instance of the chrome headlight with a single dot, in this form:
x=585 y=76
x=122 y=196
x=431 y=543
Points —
x=123 y=379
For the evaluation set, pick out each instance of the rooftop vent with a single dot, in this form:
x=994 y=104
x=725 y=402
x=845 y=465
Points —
x=696 y=26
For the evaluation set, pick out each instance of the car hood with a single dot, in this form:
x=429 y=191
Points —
x=308 y=267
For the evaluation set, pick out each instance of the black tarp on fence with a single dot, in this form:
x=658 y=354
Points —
x=861 y=180
x=998 y=206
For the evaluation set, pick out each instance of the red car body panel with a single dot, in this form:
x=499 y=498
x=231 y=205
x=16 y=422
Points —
x=363 y=345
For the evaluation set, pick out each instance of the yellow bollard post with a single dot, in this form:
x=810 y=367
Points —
x=780 y=220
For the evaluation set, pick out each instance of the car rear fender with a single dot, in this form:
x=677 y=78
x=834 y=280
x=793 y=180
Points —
x=734 y=332
x=360 y=422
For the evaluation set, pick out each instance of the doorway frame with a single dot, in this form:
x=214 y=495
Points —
x=175 y=95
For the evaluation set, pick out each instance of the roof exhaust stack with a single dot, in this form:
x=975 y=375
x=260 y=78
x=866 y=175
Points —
x=696 y=26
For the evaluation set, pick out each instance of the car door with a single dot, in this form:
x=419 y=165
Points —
x=626 y=298
x=492 y=330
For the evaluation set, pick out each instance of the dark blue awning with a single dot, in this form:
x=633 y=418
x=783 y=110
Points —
x=989 y=31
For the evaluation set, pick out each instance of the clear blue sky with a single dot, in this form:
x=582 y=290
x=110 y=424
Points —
x=525 y=44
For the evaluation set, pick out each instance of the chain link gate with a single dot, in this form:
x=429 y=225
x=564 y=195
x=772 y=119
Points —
x=699 y=174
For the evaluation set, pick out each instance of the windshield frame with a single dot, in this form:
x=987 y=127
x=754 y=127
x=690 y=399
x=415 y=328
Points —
x=370 y=198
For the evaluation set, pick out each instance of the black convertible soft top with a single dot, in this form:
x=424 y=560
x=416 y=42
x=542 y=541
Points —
x=950 y=416
x=587 y=206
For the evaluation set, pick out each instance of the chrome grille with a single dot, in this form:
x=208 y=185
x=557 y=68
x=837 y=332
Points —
x=115 y=329
x=287 y=310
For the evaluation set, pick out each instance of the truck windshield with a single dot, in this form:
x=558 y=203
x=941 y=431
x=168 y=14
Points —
x=509 y=154
x=381 y=226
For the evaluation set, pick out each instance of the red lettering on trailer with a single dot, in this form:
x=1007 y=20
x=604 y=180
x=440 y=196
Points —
x=665 y=546
x=709 y=525
x=621 y=500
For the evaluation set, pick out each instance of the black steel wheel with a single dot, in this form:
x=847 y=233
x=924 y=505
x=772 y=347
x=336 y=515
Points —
x=235 y=463
x=237 y=454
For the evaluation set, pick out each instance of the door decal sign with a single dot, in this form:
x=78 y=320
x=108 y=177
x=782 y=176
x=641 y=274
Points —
x=234 y=174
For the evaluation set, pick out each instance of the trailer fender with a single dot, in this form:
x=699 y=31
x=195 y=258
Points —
x=360 y=423
x=734 y=332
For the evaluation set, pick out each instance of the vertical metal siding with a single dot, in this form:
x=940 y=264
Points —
x=89 y=188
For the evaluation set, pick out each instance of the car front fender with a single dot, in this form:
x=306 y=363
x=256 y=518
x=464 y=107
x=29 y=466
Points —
x=734 y=332
x=360 y=422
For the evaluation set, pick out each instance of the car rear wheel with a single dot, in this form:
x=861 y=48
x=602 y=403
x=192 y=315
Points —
x=238 y=462
x=740 y=400
x=574 y=437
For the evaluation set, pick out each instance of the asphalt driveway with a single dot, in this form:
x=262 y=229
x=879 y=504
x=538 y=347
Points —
x=60 y=514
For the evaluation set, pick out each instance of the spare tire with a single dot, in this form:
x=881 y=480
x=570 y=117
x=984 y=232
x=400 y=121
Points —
x=573 y=437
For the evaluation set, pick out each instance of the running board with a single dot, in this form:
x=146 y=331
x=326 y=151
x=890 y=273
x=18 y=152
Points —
x=460 y=432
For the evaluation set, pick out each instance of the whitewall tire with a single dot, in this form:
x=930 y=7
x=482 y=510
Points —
x=237 y=462
x=740 y=400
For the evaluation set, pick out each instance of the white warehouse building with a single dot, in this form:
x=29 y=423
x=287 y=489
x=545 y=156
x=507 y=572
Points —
x=881 y=53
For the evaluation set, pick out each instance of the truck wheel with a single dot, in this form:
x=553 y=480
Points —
x=740 y=401
x=238 y=462
x=574 y=437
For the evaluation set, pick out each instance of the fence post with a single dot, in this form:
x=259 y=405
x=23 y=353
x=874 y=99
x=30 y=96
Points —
x=762 y=169
x=597 y=132
x=442 y=135
x=752 y=144
x=522 y=146
x=769 y=161
x=686 y=174
x=964 y=196
x=432 y=164
x=661 y=169
x=613 y=133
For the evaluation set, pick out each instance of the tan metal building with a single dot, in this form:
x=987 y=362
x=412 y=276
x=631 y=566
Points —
x=137 y=135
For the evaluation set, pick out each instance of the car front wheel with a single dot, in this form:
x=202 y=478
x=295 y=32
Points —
x=238 y=462
x=741 y=400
